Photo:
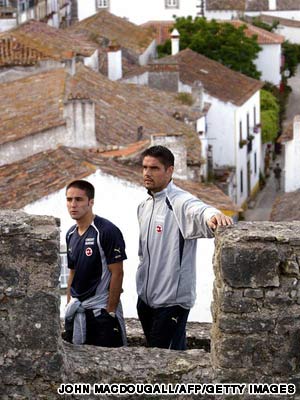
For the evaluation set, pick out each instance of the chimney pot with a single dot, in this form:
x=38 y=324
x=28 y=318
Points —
x=114 y=60
x=175 y=41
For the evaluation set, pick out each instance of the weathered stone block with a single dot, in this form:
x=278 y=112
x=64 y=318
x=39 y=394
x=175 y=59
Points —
x=245 y=324
x=261 y=260
x=248 y=265
x=254 y=293
x=236 y=352
x=29 y=302
x=291 y=267
x=238 y=305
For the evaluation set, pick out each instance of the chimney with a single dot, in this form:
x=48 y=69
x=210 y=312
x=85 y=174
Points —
x=114 y=60
x=175 y=41
x=164 y=76
x=197 y=93
x=176 y=144
x=140 y=132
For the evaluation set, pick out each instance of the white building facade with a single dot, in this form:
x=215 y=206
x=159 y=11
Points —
x=77 y=131
x=138 y=11
x=270 y=71
x=291 y=32
x=292 y=159
x=122 y=211
x=236 y=143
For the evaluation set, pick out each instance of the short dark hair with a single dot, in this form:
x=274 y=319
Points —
x=162 y=153
x=83 y=185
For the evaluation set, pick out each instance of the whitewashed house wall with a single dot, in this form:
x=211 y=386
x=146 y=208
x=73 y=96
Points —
x=78 y=131
x=138 y=11
x=291 y=33
x=122 y=211
x=242 y=156
x=292 y=159
x=270 y=71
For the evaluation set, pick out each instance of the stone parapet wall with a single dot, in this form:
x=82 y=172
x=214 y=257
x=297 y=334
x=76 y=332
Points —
x=255 y=333
x=256 y=309
x=30 y=356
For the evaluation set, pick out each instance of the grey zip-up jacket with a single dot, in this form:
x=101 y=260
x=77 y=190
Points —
x=170 y=223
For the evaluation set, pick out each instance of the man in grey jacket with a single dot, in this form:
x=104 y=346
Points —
x=171 y=220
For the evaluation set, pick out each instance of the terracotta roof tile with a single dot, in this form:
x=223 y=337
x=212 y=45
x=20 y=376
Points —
x=251 y=5
x=35 y=40
x=219 y=81
x=263 y=36
x=213 y=5
x=119 y=108
x=269 y=19
x=287 y=133
x=105 y=27
x=257 y=5
x=23 y=114
x=38 y=176
x=13 y=52
x=122 y=108
x=162 y=29
x=286 y=207
x=286 y=5
x=131 y=150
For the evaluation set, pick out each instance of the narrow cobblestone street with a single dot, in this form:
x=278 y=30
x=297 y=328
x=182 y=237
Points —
x=264 y=201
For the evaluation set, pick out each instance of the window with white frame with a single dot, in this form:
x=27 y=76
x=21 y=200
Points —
x=172 y=3
x=102 y=3
x=64 y=270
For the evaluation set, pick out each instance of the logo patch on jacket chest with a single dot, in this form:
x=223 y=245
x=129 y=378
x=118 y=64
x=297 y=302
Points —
x=159 y=228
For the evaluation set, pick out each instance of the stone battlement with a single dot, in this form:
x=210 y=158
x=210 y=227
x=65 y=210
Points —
x=255 y=335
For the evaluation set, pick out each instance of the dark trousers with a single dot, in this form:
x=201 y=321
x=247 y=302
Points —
x=103 y=330
x=164 y=327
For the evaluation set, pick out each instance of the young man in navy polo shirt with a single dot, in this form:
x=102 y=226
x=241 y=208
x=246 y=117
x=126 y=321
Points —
x=95 y=250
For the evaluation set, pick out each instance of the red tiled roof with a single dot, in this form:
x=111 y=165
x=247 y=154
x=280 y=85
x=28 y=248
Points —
x=127 y=151
x=218 y=81
x=263 y=36
x=287 y=5
x=13 y=52
x=223 y=5
x=120 y=109
x=104 y=27
x=287 y=133
x=35 y=40
x=162 y=29
x=38 y=176
x=31 y=105
x=286 y=207
x=251 y=5
x=269 y=19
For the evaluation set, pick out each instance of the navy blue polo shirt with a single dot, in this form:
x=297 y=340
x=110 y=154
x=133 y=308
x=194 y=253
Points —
x=90 y=254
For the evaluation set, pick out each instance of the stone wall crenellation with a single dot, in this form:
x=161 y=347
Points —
x=256 y=309
x=255 y=333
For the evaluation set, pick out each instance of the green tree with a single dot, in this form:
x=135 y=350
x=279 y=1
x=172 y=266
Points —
x=291 y=54
x=221 y=42
x=269 y=114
